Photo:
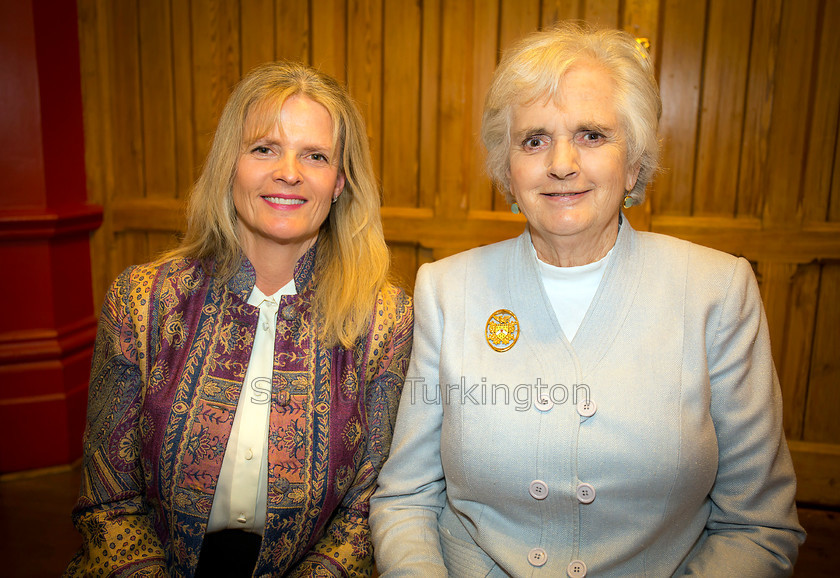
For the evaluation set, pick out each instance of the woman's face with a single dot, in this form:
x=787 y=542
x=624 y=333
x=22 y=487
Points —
x=286 y=180
x=568 y=167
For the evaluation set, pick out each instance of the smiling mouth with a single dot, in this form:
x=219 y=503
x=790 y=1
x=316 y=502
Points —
x=282 y=201
x=563 y=194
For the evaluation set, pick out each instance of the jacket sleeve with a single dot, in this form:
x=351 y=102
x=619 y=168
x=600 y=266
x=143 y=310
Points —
x=118 y=536
x=412 y=490
x=345 y=549
x=753 y=529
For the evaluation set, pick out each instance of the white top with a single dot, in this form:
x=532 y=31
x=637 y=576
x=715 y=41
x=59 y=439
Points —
x=242 y=489
x=571 y=290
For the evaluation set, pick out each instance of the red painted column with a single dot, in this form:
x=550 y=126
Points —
x=47 y=322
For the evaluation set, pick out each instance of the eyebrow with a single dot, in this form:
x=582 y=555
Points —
x=530 y=131
x=582 y=126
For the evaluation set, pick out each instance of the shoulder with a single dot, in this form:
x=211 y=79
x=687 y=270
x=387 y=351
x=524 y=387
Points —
x=478 y=258
x=708 y=276
x=700 y=260
x=393 y=311
x=138 y=285
x=389 y=336
x=143 y=278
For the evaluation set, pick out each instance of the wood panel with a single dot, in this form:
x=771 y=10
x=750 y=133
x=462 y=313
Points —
x=680 y=64
x=750 y=127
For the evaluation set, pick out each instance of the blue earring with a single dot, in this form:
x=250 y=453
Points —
x=628 y=201
x=514 y=208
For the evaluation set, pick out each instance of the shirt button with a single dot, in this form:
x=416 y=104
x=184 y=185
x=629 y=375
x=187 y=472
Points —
x=242 y=519
x=249 y=454
x=576 y=569
x=288 y=312
x=265 y=325
x=543 y=402
x=586 y=407
x=585 y=493
x=537 y=557
x=538 y=490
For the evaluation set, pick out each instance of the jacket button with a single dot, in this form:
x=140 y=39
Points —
x=585 y=493
x=537 y=557
x=538 y=490
x=288 y=312
x=576 y=569
x=543 y=402
x=586 y=407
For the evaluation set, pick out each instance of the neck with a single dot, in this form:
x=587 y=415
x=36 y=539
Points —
x=572 y=250
x=274 y=264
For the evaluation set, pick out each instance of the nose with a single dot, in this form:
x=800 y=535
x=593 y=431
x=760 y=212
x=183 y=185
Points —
x=563 y=162
x=286 y=169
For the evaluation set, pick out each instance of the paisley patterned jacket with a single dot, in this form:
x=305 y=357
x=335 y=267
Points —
x=170 y=358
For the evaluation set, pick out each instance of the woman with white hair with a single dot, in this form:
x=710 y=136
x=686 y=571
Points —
x=586 y=398
x=244 y=387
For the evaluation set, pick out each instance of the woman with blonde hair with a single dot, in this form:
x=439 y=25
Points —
x=244 y=386
x=585 y=399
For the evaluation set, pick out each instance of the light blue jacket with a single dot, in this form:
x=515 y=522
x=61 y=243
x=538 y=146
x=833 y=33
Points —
x=684 y=453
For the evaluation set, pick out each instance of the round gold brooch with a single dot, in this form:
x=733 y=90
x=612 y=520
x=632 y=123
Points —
x=502 y=330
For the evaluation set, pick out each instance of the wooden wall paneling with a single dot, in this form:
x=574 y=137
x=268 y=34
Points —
x=292 y=31
x=641 y=19
x=216 y=65
x=329 y=38
x=793 y=361
x=401 y=90
x=364 y=68
x=516 y=18
x=159 y=243
x=126 y=107
x=430 y=81
x=823 y=134
x=722 y=110
x=259 y=31
x=404 y=265
x=602 y=13
x=823 y=405
x=767 y=15
x=95 y=54
x=786 y=148
x=679 y=68
x=134 y=248
x=186 y=162
x=775 y=284
x=157 y=96
x=455 y=129
x=834 y=199
x=487 y=30
x=817 y=469
x=554 y=11
x=126 y=120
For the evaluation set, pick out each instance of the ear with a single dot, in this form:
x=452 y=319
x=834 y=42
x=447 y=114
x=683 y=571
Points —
x=632 y=177
x=339 y=184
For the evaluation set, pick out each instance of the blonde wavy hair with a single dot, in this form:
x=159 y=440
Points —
x=352 y=259
x=534 y=67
